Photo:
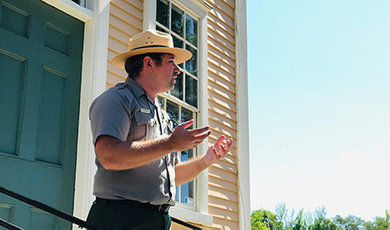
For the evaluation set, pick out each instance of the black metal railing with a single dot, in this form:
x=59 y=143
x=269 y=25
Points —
x=9 y=225
x=70 y=218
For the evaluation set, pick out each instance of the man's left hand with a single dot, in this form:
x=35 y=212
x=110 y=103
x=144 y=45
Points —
x=218 y=150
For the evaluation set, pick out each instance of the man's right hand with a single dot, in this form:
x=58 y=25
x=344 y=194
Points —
x=183 y=138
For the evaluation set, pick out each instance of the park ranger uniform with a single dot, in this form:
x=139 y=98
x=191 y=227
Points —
x=127 y=113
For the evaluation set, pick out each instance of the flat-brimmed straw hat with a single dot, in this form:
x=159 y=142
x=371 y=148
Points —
x=151 y=41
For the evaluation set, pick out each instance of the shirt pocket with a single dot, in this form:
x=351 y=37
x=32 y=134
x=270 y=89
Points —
x=140 y=126
x=145 y=127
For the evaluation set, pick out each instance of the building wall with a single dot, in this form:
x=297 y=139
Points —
x=223 y=180
x=126 y=20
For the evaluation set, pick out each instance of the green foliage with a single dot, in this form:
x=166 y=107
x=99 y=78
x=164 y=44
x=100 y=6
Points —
x=321 y=222
x=264 y=220
x=283 y=219
x=299 y=223
x=349 y=223
x=379 y=223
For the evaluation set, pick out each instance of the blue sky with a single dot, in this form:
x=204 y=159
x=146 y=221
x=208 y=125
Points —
x=319 y=112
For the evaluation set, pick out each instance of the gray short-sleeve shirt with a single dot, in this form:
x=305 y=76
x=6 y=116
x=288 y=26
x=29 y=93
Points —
x=127 y=113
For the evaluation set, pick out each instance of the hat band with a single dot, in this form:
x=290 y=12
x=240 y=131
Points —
x=142 y=47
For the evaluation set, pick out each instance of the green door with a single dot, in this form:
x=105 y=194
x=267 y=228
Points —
x=40 y=76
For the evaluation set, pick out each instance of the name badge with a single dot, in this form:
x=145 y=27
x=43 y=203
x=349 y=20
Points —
x=142 y=110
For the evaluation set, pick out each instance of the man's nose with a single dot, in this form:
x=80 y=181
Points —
x=176 y=70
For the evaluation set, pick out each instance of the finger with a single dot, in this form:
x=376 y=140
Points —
x=220 y=140
x=227 y=146
x=230 y=143
x=202 y=136
x=199 y=130
x=187 y=124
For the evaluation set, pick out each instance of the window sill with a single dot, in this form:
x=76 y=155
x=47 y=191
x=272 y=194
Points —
x=191 y=216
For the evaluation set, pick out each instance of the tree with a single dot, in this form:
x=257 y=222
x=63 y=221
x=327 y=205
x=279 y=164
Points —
x=265 y=220
x=281 y=213
x=349 y=223
x=299 y=223
x=321 y=222
x=379 y=223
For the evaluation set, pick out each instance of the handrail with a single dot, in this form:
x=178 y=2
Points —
x=9 y=225
x=44 y=207
x=70 y=218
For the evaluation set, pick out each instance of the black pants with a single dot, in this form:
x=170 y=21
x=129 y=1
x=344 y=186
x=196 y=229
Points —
x=126 y=217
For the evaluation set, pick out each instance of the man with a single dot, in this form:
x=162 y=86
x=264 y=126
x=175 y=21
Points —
x=135 y=144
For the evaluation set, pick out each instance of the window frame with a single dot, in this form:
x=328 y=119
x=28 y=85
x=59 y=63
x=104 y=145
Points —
x=198 y=10
x=182 y=102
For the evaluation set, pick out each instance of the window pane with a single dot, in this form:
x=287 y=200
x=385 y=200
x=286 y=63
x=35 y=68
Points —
x=187 y=189
x=161 y=100
x=184 y=193
x=177 y=193
x=161 y=29
x=192 y=30
x=191 y=91
x=178 y=89
x=163 y=12
x=173 y=111
x=184 y=155
x=177 y=23
x=177 y=42
x=191 y=191
x=191 y=65
x=186 y=115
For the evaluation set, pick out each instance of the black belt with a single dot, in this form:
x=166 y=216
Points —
x=163 y=208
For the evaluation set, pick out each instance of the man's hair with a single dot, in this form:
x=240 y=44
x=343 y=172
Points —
x=134 y=64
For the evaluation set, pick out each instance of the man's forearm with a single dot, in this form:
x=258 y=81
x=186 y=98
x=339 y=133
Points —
x=188 y=170
x=116 y=155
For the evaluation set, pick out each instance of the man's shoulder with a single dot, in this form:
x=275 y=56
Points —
x=118 y=94
x=119 y=91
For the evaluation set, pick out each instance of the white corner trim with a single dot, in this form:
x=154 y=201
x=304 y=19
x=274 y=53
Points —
x=191 y=216
x=94 y=69
x=242 y=115
x=202 y=5
x=150 y=8
x=203 y=178
x=72 y=8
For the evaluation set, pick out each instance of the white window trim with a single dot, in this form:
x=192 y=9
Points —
x=73 y=9
x=94 y=78
x=199 y=8
x=242 y=114
x=93 y=83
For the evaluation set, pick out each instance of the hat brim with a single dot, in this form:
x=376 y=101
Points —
x=181 y=55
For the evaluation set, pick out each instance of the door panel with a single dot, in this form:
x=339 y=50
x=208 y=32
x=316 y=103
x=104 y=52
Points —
x=11 y=89
x=40 y=77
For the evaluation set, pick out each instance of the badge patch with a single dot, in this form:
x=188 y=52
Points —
x=142 y=110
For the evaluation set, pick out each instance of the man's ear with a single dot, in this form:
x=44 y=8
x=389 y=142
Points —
x=148 y=63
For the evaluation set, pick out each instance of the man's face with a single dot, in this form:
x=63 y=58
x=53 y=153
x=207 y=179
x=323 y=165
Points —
x=167 y=72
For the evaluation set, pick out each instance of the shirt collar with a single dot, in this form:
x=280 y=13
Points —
x=137 y=89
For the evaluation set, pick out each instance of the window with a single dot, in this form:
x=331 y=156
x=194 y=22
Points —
x=178 y=112
x=80 y=2
x=181 y=103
